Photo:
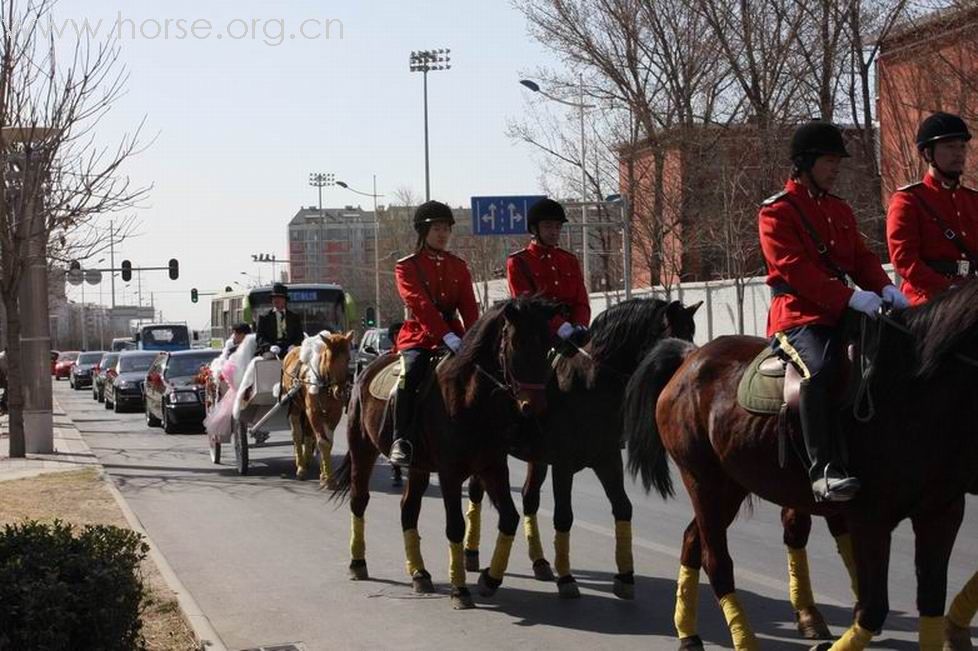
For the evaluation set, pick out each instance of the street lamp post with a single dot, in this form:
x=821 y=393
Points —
x=322 y=180
x=580 y=106
x=424 y=61
x=373 y=196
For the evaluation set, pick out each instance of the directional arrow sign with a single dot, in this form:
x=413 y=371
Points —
x=501 y=215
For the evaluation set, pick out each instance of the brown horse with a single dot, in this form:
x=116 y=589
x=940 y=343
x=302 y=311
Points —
x=319 y=368
x=582 y=429
x=916 y=458
x=464 y=426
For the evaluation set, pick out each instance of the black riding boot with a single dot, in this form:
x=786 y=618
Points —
x=816 y=411
x=402 y=450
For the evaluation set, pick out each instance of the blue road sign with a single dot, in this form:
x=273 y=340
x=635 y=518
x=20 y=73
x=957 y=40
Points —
x=501 y=215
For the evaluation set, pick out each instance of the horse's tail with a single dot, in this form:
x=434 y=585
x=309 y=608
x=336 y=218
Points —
x=646 y=455
x=339 y=483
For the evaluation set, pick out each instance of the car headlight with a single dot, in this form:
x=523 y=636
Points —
x=125 y=385
x=183 y=397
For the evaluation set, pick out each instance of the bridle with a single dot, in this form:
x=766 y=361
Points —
x=510 y=384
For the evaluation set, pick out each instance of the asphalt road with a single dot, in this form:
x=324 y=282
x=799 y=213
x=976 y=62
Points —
x=265 y=557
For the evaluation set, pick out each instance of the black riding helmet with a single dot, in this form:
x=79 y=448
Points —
x=542 y=211
x=941 y=126
x=430 y=212
x=814 y=139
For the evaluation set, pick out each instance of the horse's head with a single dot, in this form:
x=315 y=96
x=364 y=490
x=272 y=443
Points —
x=333 y=364
x=523 y=349
x=679 y=322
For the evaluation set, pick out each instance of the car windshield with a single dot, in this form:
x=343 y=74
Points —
x=90 y=358
x=109 y=361
x=181 y=365
x=130 y=363
x=67 y=357
x=384 y=340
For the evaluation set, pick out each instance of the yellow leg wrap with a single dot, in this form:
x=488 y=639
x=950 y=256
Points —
x=500 y=556
x=799 y=580
x=456 y=565
x=965 y=604
x=931 y=633
x=687 y=600
x=358 y=544
x=473 y=526
x=623 y=547
x=325 y=460
x=412 y=550
x=562 y=552
x=297 y=446
x=308 y=451
x=533 y=542
x=856 y=638
x=740 y=630
x=843 y=544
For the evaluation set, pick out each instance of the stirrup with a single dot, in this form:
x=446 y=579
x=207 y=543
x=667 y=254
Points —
x=401 y=453
x=834 y=489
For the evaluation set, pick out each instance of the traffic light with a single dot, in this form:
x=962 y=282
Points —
x=174 y=269
x=126 y=271
x=193 y=295
x=371 y=318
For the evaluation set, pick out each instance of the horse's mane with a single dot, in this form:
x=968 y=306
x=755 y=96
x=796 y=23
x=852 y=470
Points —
x=942 y=325
x=485 y=332
x=624 y=333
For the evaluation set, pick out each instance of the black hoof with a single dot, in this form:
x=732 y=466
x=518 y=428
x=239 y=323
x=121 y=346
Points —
x=542 y=570
x=811 y=624
x=567 y=588
x=472 y=560
x=487 y=584
x=358 y=570
x=625 y=585
x=462 y=599
x=421 y=582
x=690 y=643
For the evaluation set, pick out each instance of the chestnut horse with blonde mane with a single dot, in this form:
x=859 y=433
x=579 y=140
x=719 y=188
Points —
x=319 y=369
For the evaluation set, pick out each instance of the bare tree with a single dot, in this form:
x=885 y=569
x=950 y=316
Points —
x=55 y=177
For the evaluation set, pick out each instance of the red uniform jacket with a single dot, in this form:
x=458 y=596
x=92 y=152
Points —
x=553 y=273
x=433 y=285
x=793 y=260
x=915 y=238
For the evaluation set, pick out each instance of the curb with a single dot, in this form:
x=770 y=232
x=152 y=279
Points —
x=206 y=634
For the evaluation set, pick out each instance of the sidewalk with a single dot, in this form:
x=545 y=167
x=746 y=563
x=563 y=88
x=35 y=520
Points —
x=71 y=453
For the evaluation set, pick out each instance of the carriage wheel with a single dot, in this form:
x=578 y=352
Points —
x=241 y=447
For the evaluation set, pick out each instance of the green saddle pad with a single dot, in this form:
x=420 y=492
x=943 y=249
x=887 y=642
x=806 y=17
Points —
x=761 y=389
x=384 y=382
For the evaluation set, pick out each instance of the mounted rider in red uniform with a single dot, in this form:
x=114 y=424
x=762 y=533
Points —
x=440 y=306
x=813 y=248
x=544 y=269
x=932 y=225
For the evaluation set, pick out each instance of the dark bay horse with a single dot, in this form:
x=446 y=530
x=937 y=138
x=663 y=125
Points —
x=916 y=458
x=582 y=428
x=465 y=425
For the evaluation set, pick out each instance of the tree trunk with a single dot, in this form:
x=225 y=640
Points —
x=15 y=392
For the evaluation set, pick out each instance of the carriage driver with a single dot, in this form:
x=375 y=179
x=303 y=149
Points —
x=812 y=249
x=436 y=288
x=932 y=225
x=544 y=269
x=279 y=326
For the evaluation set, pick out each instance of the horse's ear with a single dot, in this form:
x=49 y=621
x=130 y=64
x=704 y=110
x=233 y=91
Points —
x=509 y=312
x=349 y=335
x=691 y=309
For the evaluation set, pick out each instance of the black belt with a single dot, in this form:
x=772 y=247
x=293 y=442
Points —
x=448 y=316
x=781 y=288
x=949 y=268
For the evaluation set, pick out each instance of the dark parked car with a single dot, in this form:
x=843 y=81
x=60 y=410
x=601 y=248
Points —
x=126 y=388
x=102 y=370
x=173 y=399
x=375 y=343
x=81 y=372
x=62 y=368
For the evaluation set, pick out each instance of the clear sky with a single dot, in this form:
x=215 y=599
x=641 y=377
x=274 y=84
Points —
x=239 y=122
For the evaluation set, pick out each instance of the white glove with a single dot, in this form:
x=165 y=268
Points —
x=565 y=330
x=453 y=342
x=868 y=303
x=895 y=297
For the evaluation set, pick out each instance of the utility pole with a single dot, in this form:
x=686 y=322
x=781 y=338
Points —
x=321 y=180
x=424 y=61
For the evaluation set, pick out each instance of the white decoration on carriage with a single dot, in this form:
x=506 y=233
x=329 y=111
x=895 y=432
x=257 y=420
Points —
x=247 y=381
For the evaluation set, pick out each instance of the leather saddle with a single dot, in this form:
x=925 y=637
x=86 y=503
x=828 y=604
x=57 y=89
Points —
x=383 y=386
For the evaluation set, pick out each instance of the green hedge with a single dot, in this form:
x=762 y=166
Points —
x=62 y=589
